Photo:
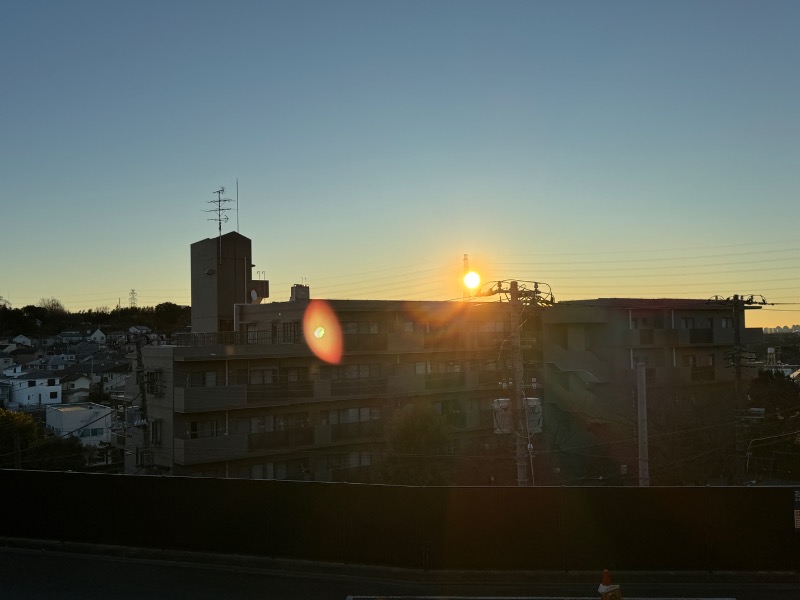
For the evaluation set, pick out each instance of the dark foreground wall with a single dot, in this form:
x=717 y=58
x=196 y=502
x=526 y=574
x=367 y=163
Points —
x=563 y=528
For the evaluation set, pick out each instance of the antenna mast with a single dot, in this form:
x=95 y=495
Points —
x=221 y=216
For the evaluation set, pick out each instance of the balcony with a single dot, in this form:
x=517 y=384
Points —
x=357 y=388
x=702 y=374
x=207 y=399
x=211 y=449
x=356 y=431
x=366 y=342
x=288 y=438
x=270 y=394
x=229 y=397
x=444 y=382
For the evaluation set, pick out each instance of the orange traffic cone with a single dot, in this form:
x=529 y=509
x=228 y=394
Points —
x=608 y=591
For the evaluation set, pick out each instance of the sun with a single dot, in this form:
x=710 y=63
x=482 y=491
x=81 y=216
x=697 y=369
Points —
x=472 y=280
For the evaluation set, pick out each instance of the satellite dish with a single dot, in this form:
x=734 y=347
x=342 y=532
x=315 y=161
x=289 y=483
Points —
x=253 y=295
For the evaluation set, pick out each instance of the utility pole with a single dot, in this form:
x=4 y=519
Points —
x=518 y=300
x=738 y=305
x=518 y=405
x=644 y=459
x=140 y=376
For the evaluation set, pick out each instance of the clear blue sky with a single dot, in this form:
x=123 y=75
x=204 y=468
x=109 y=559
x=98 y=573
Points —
x=641 y=149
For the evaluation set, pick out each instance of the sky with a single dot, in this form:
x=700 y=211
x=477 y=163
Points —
x=602 y=148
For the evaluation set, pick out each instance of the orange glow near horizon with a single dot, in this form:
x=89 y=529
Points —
x=322 y=331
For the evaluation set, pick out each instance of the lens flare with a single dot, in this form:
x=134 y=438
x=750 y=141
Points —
x=322 y=331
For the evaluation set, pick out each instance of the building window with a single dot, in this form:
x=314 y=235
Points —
x=53 y=395
x=363 y=327
x=689 y=360
x=260 y=376
x=291 y=332
x=203 y=429
x=687 y=322
x=727 y=323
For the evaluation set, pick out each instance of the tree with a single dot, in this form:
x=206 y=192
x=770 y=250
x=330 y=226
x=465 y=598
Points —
x=416 y=442
x=773 y=437
x=53 y=305
x=23 y=445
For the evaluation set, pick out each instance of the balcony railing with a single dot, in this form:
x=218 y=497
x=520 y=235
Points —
x=353 y=431
x=359 y=387
x=288 y=438
x=235 y=338
x=441 y=382
x=702 y=374
x=267 y=393
x=701 y=336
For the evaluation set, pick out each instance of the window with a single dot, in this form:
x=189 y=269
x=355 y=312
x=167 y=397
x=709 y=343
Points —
x=710 y=360
x=353 y=372
x=291 y=332
x=51 y=382
x=687 y=322
x=689 y=360
x=53 y=395
x=727 y=323
x=203 y=429
x=365 y=327
x=260 y=376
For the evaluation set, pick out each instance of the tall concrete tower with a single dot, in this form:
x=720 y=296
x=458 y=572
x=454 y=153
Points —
x=222 y=276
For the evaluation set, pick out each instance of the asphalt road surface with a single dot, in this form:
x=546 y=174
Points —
x=34 y=571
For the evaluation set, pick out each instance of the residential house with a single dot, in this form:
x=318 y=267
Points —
x=31 y=390
x=75 y=387
x=24 y=356
x=98 y=337
x=23 y=340
x=89 y=422
x=71 y=337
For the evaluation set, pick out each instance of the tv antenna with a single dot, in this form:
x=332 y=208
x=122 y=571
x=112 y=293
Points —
x=221 y=217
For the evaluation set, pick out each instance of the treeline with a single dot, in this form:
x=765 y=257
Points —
x=49 y=317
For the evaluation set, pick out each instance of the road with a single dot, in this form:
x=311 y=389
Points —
x=45 y=572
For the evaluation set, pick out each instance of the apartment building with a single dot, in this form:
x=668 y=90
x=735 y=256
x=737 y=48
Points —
x=257 y=402
x=591 y=352
x=243 y=395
